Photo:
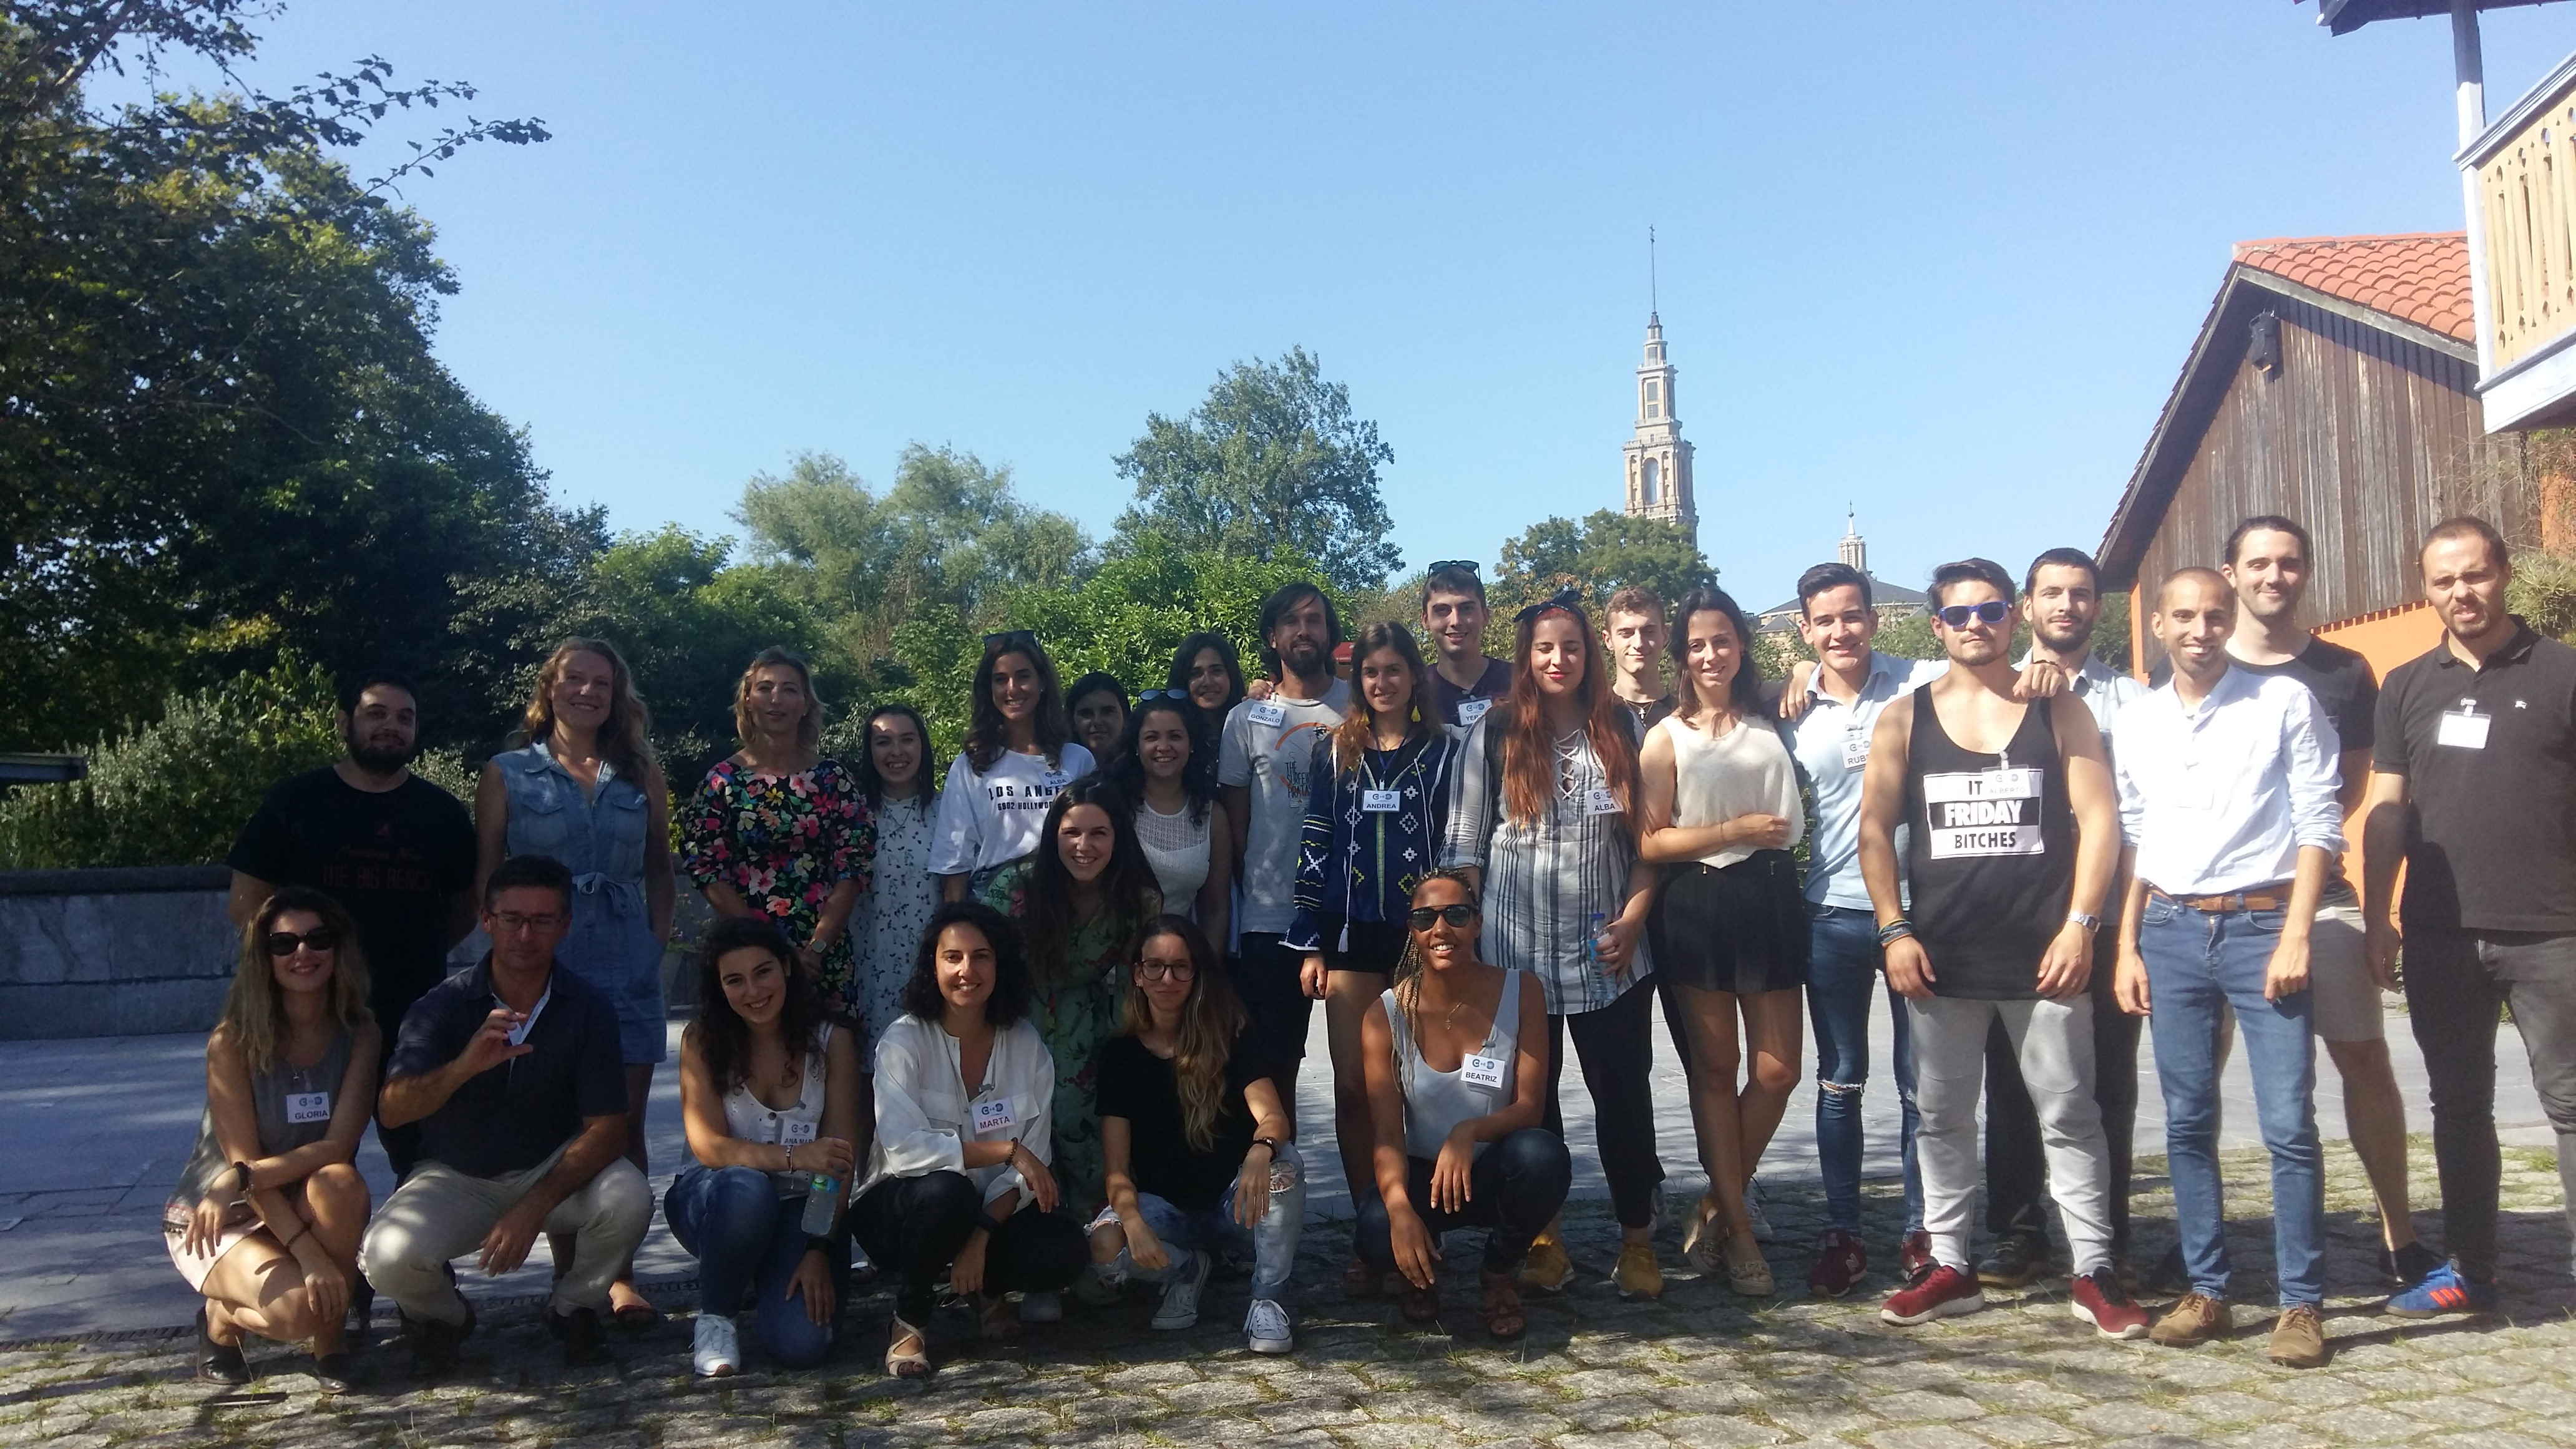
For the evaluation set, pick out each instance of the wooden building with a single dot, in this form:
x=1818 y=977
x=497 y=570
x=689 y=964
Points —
x=2334 y=381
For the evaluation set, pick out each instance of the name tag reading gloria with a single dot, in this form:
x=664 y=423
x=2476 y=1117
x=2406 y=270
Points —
x=1381 y=800
x=308 y=1106
x=1984 y=813
x=2464 y=728
x=993 y=1116
x=1482 y=1071
x=1472 y=710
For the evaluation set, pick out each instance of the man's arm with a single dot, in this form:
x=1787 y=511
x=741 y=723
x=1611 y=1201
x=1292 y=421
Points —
x=601 y=1142
x=1237 y=800
x=247 y=895
x=2385 y=820
x=2067 y=966
x=414 y=1095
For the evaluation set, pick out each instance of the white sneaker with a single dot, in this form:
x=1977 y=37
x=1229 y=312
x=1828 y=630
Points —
x=719 y=1349
x=1753 y=1213
x=1180 y=1307
x=1100 y=1285
x=1041 y=1308
x=1266 y=1328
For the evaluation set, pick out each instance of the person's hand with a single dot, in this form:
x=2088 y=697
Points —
x=1311 y=978
x=966 y=1274
x=1259 y=689
x=2066 y=967
x=2129 y=983
x=1795 y=700
x=2040 y=679
x=1033 y=1172
x=1144 y=1249
x=2380 y=943
x=829 y=1155
x=813 y=1280
x=1252 y=1189
x=1762 y=832
x=1909 y=970
x=2287 y=975
x=490 y=1045
x=206 y=1223
x=1452 y=1177
x=506 y=1246
x=1623 y=933
x=810 y=957
x=1415 y=1252
x=326 y=1284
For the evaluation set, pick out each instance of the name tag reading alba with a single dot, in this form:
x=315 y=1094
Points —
x=795 y=1134
x=1381 y=800
x=994 y=1116
x=1472 y=710
x=1983 y=813
x=308 y=1106
x=1600 y=802
x=2463 y=728
x=1268 y=712
x=1480 y=1071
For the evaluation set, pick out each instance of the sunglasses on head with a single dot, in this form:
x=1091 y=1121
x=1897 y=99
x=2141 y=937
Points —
x=1564 y=598
x=1446 y=564
x=1021 y=637
x=1458 y=915
x=320 y=938
x=1176 y=696
x=1992 y=611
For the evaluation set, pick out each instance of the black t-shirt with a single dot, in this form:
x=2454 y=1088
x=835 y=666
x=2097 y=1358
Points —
x=2494 y=845
x=1491 y=686
x=2338 y=677
x=514 y=1116
x=1139 y=1086
x=394 y=859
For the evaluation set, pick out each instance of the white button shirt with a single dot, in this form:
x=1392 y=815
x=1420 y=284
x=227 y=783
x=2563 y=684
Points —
x=2220 y=798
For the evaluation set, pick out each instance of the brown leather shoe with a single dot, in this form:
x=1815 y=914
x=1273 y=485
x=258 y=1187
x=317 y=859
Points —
x=2198 y=1318
x=2299 y=1339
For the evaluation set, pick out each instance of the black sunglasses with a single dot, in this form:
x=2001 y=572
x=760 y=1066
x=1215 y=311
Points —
x=1459 y=916
x=1564 y=598
x=1446 y=564
x=1992 y=611
x=320 y=938
x=1176 y=696
x=1012 y=636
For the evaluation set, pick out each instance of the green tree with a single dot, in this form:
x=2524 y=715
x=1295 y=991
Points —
x=1599 y=556
x=1272 y=459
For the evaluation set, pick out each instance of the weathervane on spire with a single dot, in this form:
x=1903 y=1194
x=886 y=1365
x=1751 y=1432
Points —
x=1653 y=298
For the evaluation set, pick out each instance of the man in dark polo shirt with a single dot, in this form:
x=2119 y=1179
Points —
x=513 y=1071
x=1465 y=682
x=2478 y=736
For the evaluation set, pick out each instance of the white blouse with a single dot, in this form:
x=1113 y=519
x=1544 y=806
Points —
x=926 y=1115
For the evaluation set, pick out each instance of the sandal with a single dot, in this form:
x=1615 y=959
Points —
x=900 y=1365
x=1704 y=1241
x=635 y=1315
x=1419 y=1305
x=1000 y=1321
x=1749 y=1276
x=1359 y=1280
x=1504 y=1317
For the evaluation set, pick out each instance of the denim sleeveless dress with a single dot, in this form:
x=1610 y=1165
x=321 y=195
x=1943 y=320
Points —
x=599 y=836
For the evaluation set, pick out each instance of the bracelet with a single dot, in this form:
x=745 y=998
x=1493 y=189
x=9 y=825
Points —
x=1894 y=931
x=300 y=1234
x=242 y=1191
x=791 y=1157
x=818 y=1243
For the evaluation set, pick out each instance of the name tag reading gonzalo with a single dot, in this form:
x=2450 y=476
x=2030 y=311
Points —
x=1984 y=813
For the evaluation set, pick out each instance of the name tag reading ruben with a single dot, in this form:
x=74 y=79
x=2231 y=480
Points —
x=1268 y=712
x=1482 y=1071
x=1472 y=710
x=1983 y=813
x=1381 y=800
x=308 y=1106
x=2464 y=728
x=1600 y=802
x=994 y=1116
x=1855 y=751
x=792 y=1133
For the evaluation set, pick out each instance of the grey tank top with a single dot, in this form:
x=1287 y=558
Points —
x=278 y=1096
x=1436 y=1102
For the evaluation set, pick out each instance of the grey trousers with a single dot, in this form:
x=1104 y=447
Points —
x=2053 y=1043
x=441 y=1214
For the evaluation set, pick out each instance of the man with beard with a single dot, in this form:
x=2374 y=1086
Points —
x=1262 y=766
x=2062 y=601
x=393 y=848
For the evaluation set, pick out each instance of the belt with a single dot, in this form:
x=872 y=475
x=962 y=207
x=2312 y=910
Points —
x=2273 y=897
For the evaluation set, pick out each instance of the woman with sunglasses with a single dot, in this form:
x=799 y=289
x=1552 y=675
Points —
x=1019 y=752
x=267 y=1216
x=1730 y=931
x=1460 y=1144
x=1196 y=1140
x=1542 y=815
x=1209 y=672
x=1368 y=841
x=1167 y=770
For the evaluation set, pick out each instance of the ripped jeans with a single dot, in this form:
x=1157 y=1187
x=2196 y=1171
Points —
x=1843 y=976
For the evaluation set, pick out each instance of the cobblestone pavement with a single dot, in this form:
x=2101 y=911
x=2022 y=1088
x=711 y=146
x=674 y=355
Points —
x=1700 y=1366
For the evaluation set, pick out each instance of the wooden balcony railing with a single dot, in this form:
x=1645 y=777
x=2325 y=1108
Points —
x=2526 y=182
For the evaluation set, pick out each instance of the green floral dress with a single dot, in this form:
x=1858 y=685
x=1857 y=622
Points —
x=1075 y=1010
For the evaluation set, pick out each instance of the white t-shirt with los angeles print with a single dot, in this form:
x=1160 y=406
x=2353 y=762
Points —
x=992 y=816
x=1269 y=746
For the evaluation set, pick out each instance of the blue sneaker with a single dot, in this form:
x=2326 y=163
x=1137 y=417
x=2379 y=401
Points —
x=2444 y=1291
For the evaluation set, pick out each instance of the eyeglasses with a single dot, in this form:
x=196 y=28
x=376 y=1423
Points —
x=1444 y=565
x=1158 y=970
x=320 y=938
x=1992 y=611
x=512 y=923
x=1021 y=637
x=1459 y=916
x=1176 y=696
x=1564 y=598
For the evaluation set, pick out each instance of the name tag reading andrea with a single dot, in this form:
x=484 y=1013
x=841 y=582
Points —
x=795 y=1134
x=1381 y=800
x=2464 y=728
x=1983 y=813
x=1600 y=802
x=1482 y=1071
x=994 y=1116
x=1472 y=710
x=1268 y=712
x=308 y=1106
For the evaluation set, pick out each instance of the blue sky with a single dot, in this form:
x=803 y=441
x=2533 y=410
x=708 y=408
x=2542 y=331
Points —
x=1939 y=261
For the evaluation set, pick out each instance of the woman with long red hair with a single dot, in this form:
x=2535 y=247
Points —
x=1543 y=810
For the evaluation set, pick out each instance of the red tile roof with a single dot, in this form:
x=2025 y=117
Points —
x=2423 y=278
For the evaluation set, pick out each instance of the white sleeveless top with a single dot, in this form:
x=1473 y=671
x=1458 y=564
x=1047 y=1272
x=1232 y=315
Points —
x=753 y=1120
x=1436 y=1102
x=1177 y=848
x=1746 y=771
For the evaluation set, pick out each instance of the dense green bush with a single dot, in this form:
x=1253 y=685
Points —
x=176 y=791
x=2543 y=592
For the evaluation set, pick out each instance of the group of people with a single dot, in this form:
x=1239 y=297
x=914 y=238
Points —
x=1034 y=1031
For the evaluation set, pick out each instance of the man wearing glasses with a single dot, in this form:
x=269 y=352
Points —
x=513 y=1072
x=2013 y=837
x=1465 y=682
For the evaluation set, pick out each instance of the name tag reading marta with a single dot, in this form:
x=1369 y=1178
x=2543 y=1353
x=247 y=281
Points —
x=1983 y=813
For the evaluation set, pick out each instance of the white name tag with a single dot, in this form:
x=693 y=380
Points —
x=1600 y=802
x=993 y=1116
x=1855 y=751
x=2463 y=731
x=1381 y=800
x=1983 y=813
x=1486 y=1072
x=1268 y=713
x=794 y=1133
x=308 y=1106
x=1055 y=780
x=1472 y=710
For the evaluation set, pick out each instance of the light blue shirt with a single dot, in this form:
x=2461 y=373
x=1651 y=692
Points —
x=2104 y=690
x=2220 y=798
x=1831 y=742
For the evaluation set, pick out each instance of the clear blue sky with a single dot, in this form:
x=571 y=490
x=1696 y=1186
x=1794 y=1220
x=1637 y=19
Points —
x=1942 y=261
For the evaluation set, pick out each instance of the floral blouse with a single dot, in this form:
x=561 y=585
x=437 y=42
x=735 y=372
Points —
x=783 y=842
x=1075 y=1010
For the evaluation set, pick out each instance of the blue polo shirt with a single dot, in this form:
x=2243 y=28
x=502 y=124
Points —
x=516 y=1115
x=1831 y=743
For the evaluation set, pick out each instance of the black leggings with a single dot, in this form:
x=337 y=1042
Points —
x=1617 y=1044
x=1514 y=1189
x=916 y=1225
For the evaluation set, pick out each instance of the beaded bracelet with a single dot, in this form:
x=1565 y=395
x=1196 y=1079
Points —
x=1894 y=931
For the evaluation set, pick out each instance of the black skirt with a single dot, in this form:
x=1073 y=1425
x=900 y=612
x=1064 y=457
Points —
x=1741 y=928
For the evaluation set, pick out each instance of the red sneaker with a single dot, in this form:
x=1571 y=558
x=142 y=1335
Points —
x=1840 y=1263
x=1943 y=1293
x=1914 y=1259
x=2099 y=1300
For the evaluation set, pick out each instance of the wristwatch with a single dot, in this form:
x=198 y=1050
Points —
x=2078 y=918
x=1270 y=1142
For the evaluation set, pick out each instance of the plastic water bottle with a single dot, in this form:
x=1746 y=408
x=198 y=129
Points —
x=822 y=1199
x=1596 y=941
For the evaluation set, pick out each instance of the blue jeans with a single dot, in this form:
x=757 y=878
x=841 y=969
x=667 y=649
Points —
x=1843 y=976
x=745 y=1236
x=2197 y=962
x=1273 y=1240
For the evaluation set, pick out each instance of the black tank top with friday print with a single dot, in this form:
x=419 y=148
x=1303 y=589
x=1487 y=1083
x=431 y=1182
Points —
x=1992 y=854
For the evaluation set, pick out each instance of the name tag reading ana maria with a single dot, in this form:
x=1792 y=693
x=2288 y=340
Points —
x=1482 y=1071
x=994 y=1116
x=1976 y=813
x=308 y=1107
x=795 y=1134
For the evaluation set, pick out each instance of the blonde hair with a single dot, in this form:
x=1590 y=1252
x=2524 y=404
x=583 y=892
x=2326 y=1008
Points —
x=809 y=730
x=254 y=1014
x=625 y=740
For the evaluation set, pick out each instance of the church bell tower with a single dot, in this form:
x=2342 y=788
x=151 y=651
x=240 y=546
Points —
x=1659 y=460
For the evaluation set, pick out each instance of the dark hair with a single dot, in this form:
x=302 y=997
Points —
x=1010 y=999
x=1129 y=894
x=1357 y=733
x=1744 y=691
x=2467 y=525
x=1092 y=683
x=350 y=693
x=2064 y=558
x=865 y=769
x=1971 y=570
x=2266 y=523
x=1826 y=576
x=1198 y=776
x=1451 y=580
x=1634 y=599
x=1185 y=659
x=987 y=733
x=1529 y=756
x=1276 y=607
x=722 y=1037
x=542 y=872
